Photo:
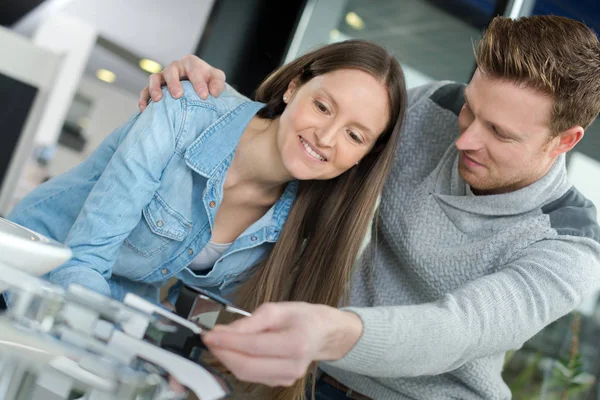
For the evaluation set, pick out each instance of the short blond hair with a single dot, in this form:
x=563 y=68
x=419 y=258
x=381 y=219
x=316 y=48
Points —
x=554 y=55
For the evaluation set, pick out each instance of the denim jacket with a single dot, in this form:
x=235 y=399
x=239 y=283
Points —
x=142 y=206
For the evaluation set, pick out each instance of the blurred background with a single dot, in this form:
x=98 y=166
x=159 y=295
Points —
x=71 y=72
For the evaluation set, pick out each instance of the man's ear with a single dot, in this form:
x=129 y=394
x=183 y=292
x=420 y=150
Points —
x=567 y=140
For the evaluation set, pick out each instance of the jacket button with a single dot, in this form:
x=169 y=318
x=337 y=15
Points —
x=159 y=223
x=190 y=252
x=253 y=238
x=212 y=204
x=164 y=271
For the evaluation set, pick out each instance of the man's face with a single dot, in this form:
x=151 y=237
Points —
x=505 y=141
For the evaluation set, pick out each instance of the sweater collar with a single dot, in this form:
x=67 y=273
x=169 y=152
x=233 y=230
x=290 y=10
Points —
x=449 y=188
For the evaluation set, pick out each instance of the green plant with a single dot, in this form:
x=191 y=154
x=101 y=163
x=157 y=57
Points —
x=566 y=378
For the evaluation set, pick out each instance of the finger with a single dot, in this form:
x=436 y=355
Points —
x=172 y=76
x=175 y=386
x=144 y=96
x=156 y=82
x=198 y=72
x=293 y=345
x=269 y=316
x=218 y=74
x=216 y=87
x=217 y=82
x=166 y=303
x=266 y=371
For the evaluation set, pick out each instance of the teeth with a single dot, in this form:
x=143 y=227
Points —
x=311 y=151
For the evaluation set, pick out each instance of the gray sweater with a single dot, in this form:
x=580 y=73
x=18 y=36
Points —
x=451 y=281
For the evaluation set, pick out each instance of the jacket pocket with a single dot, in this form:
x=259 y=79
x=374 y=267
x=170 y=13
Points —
x=160 y=226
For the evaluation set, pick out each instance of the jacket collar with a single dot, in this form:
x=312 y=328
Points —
x=219 y=141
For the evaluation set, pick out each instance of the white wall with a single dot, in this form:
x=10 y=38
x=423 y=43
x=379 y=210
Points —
x=584 y=173
x=162 y=30
x=111 y=107
x=73 y=40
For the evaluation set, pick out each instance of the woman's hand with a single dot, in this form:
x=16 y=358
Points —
x=203 y=76
x=277 y=344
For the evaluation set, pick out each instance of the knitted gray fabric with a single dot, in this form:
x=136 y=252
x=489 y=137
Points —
x=451 y=281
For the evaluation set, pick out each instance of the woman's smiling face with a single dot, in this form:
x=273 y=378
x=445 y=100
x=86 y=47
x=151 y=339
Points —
x=331 y=122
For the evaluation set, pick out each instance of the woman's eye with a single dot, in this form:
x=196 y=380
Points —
x=321 y=107
x=355 y=137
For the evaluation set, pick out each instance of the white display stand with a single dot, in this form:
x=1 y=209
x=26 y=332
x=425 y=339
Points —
x=29 y=251
x=33 y=66
x=52 y=62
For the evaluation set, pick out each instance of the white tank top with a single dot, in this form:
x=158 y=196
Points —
x=207 y=257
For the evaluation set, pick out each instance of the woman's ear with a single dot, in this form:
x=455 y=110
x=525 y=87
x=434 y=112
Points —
x=291 y=89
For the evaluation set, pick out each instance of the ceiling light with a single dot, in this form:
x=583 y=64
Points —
x=106 y=75
x=354 y=21
x=150 y=66
x=334 y=34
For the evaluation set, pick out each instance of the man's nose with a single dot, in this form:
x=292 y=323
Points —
x=471 y=137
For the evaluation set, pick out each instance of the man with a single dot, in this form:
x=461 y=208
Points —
x=480 y=241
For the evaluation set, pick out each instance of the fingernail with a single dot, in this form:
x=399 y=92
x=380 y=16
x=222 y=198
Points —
x=176 y=92
x=210 y=339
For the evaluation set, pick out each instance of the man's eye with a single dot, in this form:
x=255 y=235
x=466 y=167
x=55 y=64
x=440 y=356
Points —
x=498 y=134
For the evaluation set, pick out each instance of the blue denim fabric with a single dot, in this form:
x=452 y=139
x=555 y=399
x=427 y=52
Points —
x=140 y=208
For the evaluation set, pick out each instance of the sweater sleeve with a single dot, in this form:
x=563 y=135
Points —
x=489 y=315
x=421 y=93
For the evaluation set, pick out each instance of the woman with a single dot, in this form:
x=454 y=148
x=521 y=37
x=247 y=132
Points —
x=203 y=190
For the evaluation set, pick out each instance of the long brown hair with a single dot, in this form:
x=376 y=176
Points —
x=327 y=223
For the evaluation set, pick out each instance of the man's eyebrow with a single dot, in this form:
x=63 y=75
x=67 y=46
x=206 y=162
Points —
x=502 y=130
